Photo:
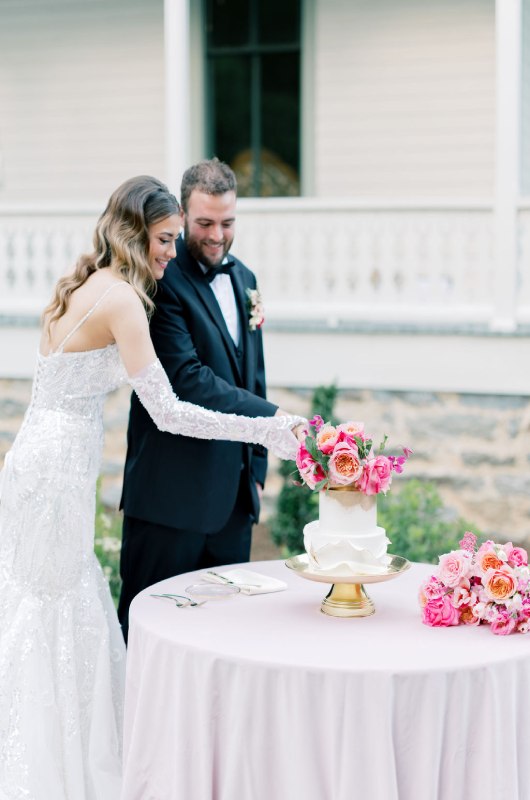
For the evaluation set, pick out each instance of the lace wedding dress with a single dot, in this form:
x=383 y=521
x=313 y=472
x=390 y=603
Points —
x=62 y=654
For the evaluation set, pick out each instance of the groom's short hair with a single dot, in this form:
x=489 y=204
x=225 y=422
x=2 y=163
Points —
x=210 y=176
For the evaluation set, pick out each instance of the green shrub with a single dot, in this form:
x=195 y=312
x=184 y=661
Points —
x=107 y=545
x=297 y=504
x=416 y=522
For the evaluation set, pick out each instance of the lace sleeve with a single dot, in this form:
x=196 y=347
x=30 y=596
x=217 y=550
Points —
x=176 y=416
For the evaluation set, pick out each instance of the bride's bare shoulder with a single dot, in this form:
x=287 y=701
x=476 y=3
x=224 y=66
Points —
x=124 y=309
x=117 y=292
x=125 y=297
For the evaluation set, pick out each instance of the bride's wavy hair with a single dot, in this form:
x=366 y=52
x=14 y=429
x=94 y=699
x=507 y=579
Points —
x=121 y=241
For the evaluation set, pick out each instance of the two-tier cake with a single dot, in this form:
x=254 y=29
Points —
x=346 y=538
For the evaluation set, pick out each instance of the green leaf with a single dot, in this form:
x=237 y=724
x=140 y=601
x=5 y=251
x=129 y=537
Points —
x=383 y=443
x=312 y=448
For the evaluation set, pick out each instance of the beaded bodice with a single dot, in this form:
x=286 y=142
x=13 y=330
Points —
x=76 y=383
x=57 y=453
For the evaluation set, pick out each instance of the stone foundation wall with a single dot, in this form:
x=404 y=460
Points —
x=476 y=448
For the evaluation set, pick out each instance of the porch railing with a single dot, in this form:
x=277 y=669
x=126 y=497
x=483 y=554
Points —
x=319 y=263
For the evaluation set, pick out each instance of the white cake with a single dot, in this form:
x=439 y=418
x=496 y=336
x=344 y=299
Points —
x=346 y=539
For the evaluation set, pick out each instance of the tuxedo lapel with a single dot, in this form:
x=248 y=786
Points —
x=240 y=293
x=194 y=275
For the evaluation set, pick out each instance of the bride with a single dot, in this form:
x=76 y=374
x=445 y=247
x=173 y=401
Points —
x=62 y=654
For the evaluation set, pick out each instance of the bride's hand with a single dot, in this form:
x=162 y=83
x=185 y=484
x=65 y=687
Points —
x=300 y=431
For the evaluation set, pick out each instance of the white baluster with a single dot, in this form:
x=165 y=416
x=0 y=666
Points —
x=5 y=259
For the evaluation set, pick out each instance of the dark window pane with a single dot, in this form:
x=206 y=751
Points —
x=279 y=21
x=228 y=22
x=280 y=119
x=230 y=106
x=254 y=99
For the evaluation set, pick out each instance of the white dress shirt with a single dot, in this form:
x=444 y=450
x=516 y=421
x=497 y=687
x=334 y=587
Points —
x=223 y=290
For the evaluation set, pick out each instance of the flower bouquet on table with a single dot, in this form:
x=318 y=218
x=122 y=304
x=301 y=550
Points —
x=341 y=463
x=474 y=585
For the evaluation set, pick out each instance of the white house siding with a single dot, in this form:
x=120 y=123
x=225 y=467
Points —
x=404 y=97
x=525 y=98
x=81 y=97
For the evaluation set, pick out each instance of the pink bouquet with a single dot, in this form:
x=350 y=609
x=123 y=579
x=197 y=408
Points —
x=342 y=455
x=473 y=585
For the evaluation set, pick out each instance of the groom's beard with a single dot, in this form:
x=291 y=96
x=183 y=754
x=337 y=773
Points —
x=197 y=248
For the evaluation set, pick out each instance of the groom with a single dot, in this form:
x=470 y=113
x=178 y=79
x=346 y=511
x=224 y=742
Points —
x=190 y=503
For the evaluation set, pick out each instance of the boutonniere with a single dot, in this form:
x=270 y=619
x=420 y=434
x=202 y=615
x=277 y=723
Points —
x=256 y=314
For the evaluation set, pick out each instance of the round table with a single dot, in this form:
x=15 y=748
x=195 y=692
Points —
x=265 y=698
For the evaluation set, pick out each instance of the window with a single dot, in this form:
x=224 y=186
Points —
x=253 y=99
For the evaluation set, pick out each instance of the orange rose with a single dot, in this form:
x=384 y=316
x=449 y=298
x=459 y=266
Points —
x=488 y=560
x=344 y=465
x=467 y=617
x=498 y=584
x=327 y=439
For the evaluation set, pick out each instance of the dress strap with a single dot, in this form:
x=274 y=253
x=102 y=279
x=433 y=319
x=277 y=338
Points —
x=89 y=313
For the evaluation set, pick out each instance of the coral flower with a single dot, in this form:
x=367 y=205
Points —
x=344 y=465
x=487 y=558
x=327 y=438
x=498 y=584
x=467 y=617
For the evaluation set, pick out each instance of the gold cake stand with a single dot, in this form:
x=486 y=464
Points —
x=347 y=596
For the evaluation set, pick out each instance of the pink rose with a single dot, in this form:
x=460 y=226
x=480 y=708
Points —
x=304 y=459
x=310 y=471
x=430 y=589
x=525 y=606
x=352 y=429
x=503 y=624
x=313 y=476
x=327 y=437
x=376 y=476
x=344 y=465
x=517 y=556
x=499 y=584
x=440 y=613
x=454 y=567
x=523 y=625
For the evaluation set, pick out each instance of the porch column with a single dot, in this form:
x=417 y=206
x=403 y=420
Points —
x=507 y=160
x=177 y=95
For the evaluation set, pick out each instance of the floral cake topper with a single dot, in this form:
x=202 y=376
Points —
x=343 y=455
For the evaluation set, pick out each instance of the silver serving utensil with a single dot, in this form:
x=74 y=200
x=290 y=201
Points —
x=180 y=600
x=232 y=583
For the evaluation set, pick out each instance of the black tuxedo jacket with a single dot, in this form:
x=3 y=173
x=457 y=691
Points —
x=179 y=481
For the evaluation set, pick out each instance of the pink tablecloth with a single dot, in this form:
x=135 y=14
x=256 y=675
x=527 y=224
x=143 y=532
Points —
x=266 y=698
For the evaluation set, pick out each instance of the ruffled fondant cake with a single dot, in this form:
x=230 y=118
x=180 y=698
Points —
x=346 y=538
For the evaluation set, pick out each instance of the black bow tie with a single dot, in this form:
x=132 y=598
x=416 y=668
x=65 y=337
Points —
x=222 y=269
